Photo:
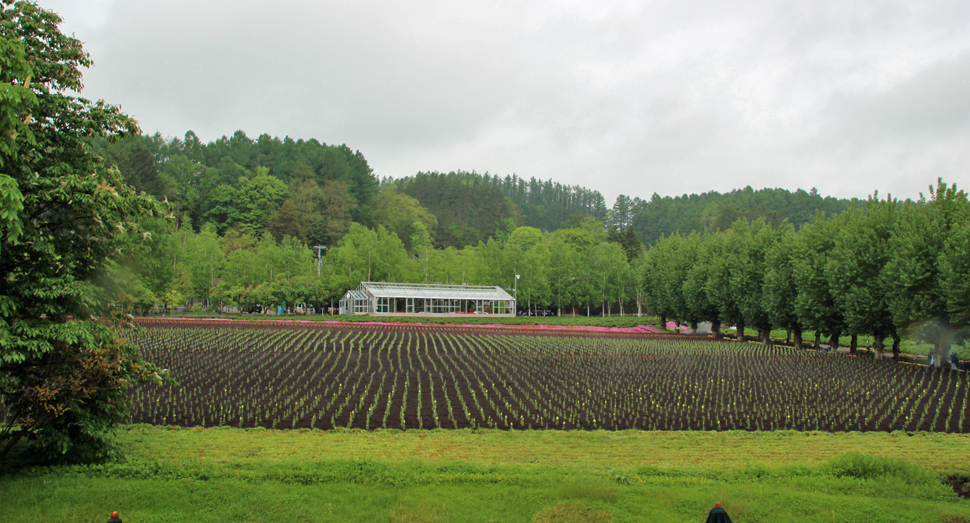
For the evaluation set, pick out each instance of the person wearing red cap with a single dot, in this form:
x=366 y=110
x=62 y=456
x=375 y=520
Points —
x=114 y=518
x=718 y=515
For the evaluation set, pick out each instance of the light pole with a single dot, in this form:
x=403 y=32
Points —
x=319 y=248
x=516 y=291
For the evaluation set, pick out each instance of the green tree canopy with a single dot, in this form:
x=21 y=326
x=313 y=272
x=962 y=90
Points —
x=64 y=373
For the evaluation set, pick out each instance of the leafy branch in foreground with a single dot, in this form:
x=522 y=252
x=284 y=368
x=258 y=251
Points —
x=64 y=372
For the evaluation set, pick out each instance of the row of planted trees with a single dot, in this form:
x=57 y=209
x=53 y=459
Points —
x=885 y=270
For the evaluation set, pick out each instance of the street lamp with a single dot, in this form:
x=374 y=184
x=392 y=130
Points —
x=319 y=248
x=516 y=291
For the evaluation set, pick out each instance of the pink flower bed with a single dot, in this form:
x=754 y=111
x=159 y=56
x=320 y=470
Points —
x=639 y=329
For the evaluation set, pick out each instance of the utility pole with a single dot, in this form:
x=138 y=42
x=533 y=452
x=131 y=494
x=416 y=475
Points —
x=319 y=248
x=516 y=291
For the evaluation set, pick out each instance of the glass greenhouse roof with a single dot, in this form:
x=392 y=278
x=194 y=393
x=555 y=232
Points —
x=432 y=291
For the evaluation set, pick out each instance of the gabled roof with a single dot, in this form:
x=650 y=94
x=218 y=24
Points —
x=431 y=291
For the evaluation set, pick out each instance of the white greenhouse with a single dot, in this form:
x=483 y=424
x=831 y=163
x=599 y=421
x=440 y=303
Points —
x=391 y=299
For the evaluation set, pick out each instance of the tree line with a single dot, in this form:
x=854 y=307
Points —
x=711 y=211
x=883 y=269
x=583 y=268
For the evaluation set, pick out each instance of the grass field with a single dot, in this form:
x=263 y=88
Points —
x=223 y=474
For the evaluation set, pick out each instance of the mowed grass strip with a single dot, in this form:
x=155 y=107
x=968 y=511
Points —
x=579 y=451
x=220 y=474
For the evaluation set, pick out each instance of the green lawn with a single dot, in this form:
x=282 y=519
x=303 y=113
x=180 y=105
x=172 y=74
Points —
x=221 y=474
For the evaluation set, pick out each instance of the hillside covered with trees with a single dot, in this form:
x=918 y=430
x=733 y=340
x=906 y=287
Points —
x=252 y=215
x=313 y=191
x=711 y=211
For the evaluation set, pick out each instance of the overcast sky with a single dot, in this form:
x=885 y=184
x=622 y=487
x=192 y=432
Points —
x=634 y=97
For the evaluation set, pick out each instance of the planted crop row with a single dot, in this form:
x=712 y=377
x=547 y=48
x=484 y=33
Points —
x=308 y=375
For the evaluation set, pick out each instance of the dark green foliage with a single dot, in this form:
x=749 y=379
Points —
x=780 y=291
x=548 y=205
x=815 y=305
x=712 y=211
x=955 y=268
x=748 y=245
x=925 y=267
x=468 y=210
x=698 y=303
x=201 y=178
x=856 y=269
x=545 y=205
x=628 y=240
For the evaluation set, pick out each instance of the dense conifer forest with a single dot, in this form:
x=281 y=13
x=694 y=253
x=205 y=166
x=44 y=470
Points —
x=325 y=187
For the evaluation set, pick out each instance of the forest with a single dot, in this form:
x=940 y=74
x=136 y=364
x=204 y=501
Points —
x=256 y=223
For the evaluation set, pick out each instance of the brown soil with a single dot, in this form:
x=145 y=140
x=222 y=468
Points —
x=445 y=377
x=960 y=485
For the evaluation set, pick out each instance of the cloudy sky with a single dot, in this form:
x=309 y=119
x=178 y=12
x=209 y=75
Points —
x=631 y=97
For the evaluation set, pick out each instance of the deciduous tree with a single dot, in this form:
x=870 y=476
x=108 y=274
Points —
x=64 y=371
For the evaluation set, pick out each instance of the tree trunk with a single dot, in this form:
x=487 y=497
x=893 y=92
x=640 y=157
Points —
x=853 y=343
x=896 y=349
x=17 y=436
x=693 y=327
x=818 y=340
x=716 y=330
x=788 y=337
x=878 y=345
x=834 y=342
x=740 y=333
x=797 y=337
x=663 y=321
x=765 y=336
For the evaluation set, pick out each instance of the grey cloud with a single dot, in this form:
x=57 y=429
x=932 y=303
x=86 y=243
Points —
x=624 y=97
x=935 y=101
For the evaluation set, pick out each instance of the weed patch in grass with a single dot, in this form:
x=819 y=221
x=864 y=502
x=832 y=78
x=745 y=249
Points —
x=418 y=511
x=573 y=511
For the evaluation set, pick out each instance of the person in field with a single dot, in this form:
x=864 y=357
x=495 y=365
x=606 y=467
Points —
x=718 y=515
x=114 y=518
x=955 y=362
